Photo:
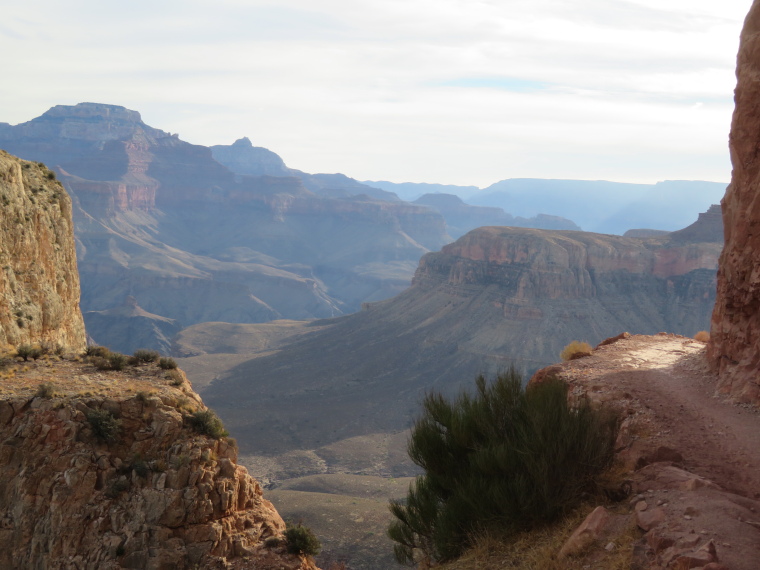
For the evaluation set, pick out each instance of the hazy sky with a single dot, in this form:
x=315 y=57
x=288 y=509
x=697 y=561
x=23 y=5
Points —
x=447 y=91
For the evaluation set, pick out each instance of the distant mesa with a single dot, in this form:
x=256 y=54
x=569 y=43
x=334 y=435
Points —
x=496 y=297
x=197 y=241
x=461 y=218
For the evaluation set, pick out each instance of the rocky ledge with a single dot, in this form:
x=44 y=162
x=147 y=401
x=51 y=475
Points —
x=687 y=460
x=108 y=469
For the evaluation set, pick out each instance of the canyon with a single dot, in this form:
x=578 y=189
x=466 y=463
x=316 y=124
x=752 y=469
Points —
x=188 y=240
x=497 y=297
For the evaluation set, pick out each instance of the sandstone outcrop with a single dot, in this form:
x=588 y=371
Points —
x=155 y=493
x=735 y=332
x=39 y=283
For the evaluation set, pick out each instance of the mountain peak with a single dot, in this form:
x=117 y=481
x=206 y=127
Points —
x=244 y=142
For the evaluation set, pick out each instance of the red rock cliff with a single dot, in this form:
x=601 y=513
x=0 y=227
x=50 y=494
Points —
x=735 y=346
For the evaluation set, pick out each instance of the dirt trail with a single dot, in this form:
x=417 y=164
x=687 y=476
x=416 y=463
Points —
x=668 y=395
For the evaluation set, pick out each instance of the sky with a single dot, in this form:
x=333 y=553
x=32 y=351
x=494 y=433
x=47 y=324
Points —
x=465 y=92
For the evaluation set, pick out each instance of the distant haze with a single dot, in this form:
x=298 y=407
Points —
x=452 y=92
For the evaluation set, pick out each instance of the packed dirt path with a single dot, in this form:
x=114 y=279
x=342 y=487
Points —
x=679 y=435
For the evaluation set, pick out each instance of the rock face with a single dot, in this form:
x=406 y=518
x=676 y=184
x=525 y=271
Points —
x=154 y=495
x=194 y=241
x=495 y=297
x=735 y=334
x=39 y=283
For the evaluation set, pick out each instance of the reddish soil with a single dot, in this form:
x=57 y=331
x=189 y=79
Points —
x=675 y=419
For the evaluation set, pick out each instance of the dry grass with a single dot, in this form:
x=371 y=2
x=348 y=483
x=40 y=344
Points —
x=575 y=349
x=537 y=550
x=702 y=336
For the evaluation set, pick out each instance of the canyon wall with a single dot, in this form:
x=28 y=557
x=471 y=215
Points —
x=734 y=348
x=159 y=219
x=496 y=297
x=39 y=283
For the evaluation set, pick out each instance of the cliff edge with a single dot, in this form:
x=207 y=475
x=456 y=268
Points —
x=39 y=283
x=104 y=470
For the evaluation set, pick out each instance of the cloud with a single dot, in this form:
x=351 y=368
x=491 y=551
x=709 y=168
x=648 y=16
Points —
x=458 y=91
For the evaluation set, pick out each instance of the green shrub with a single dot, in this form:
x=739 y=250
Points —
x=139 y=466
x=575 y=350
x=27 y=351
x=502 y=460
x=301 y=540
x=45 y=390
x=143 y=355
x=167 y=363
x=94 y=350
x=104 y=425
x=206 y=422
x=111 y=361
x=116 y=488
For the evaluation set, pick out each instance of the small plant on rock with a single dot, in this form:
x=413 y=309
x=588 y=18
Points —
x=95 y=350
x=301 y=540
x=117 y=487
x=206 y=422
x=112 y=361
x=575 y=350
x=176 y=378
x=27 y=351
x=702 y=336
x=104 y=425
x=144 y=356
x=45 y=390
x=167 y=363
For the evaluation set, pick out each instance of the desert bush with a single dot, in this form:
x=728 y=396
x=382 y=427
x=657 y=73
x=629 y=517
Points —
x=116 y=488
x=143 y=355
x=575 y=350
x=112 y=361
x=167 y=363
x=176 y=378
x=104 y=425
x=206 y=422
x=27 y=351
x=301 y=540
x=702 y=336
x=45 y=390
x=503 y=460
x=95 y=350
x=139 y=466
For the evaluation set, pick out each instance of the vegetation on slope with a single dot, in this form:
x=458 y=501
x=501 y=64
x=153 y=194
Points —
x=504 y=460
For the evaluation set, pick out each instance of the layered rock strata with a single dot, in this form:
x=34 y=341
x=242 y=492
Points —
x=154 y=494
x=39 y=283
x=735 y=345
x=498 y=296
